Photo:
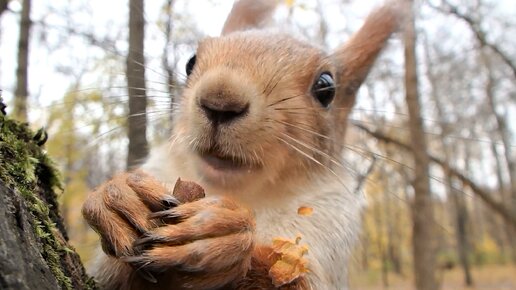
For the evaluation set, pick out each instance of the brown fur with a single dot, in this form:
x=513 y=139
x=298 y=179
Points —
x=286 y=141
x=248 y=14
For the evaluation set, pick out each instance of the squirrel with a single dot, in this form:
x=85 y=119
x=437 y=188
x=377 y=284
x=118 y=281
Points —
x=260 y=126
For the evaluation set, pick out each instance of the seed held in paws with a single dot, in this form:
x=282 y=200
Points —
x=187 y=191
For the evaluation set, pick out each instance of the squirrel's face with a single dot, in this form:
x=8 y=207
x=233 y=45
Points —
x=262 y=107
x=257 y=108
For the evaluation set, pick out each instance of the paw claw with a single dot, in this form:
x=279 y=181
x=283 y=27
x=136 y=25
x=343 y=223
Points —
x=169 y=215
x=149 y=239
x=147 y=276
x=143 y=265
x=170 y=202
x=138 y=261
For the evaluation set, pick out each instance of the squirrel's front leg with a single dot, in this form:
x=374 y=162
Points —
x=208 y=243
x=118 y=211
x=157 y=241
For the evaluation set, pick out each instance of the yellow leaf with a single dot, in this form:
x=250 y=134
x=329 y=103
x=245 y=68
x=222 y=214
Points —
x=291 y=264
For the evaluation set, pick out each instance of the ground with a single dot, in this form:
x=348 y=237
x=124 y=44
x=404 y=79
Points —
x=489 y=277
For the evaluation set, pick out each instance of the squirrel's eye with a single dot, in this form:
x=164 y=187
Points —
x=324 y=89
x=190 y=65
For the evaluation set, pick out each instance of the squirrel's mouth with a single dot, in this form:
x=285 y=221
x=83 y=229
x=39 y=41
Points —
x=221 y=169
x=221 y=161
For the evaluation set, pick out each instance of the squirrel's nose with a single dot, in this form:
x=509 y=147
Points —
x=220 y=111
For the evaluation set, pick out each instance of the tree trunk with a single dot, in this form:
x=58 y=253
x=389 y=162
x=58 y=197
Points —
x=137 y=118
x=165 y=58
x=504 y=196
x=379 y=219
x=391 y=217
x=505 y=137
x=21 y=93
x=461 y=221
x=34 y=249
x=456 y=197
x=424 y=248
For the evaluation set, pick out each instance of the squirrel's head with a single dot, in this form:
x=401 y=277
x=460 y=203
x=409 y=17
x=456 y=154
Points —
x=263 y=107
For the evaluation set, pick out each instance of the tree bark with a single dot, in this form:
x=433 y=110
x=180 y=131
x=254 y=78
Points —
x=423 y=239
x=135 y=65
x=21 y=93
x=34 y=249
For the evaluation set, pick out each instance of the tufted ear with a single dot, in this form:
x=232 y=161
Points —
x=248 y=14
x=355 y=58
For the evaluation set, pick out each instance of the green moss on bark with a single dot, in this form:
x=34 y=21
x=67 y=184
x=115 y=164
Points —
x=26 y=168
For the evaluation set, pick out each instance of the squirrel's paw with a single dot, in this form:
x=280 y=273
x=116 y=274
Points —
x=119 y=210
x=211 y=236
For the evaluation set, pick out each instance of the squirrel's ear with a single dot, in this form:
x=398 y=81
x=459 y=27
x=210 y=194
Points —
x=355 y=58
x=248 y=14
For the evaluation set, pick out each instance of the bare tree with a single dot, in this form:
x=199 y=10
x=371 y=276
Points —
x=504 y=133
x=479 y=33
x=22 y=91
x=137 y=119
x=424 y=249
x=482 y=193
x=169 y=67
x=455 y=196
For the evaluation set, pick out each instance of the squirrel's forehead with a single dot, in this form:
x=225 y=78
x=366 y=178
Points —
x=259 y=46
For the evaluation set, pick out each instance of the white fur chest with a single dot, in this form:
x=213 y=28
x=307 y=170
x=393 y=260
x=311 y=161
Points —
x=330 y=232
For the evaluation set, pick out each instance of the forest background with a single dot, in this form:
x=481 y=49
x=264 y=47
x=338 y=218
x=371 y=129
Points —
x=64 y=65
